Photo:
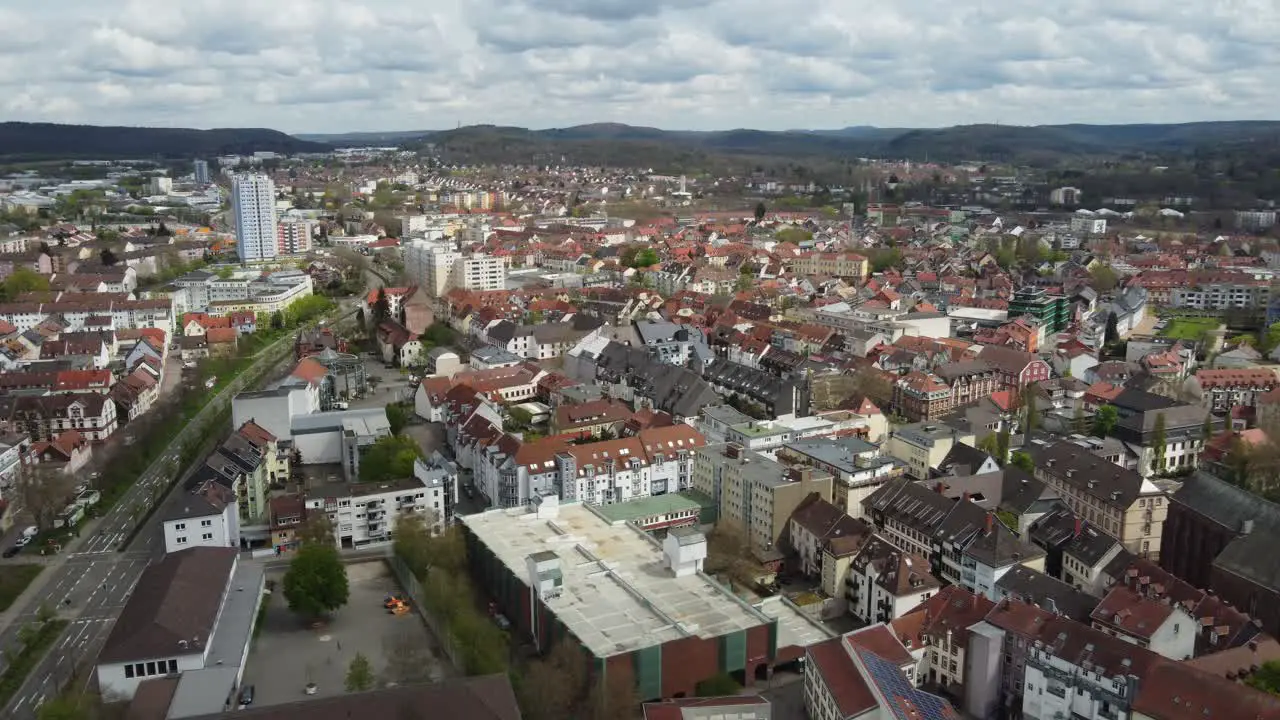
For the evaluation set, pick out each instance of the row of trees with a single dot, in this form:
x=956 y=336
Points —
x=560 y=684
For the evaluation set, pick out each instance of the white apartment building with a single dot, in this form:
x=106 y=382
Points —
x=479 y=272
x=293 y=237
x=364 y=514
x=253 y=202
x=199 y=522
x=431 y=264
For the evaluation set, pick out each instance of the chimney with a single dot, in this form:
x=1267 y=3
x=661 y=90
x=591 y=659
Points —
x=1079 y=526
x=990 y=523
x=939 y=487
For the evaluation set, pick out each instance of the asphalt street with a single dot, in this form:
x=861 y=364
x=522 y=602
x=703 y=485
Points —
x=96 y=577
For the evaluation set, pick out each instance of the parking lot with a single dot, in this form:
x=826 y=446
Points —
x=287 y=655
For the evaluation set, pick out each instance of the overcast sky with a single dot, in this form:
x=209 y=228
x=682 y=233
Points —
x=345 y=65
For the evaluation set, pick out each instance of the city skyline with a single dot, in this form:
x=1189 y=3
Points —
x=680 y=64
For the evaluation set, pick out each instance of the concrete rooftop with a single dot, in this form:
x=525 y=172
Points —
x=618 y=596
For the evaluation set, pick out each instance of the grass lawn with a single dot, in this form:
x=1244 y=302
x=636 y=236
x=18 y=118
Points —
x=1189 y=328
x=13 y=580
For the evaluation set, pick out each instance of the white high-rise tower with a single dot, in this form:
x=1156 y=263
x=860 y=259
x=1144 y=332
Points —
x=253 y=200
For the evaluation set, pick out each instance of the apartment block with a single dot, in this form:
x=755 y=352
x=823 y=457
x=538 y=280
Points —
x=755 y=493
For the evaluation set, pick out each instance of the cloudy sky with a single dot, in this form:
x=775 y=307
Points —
x=343 y=65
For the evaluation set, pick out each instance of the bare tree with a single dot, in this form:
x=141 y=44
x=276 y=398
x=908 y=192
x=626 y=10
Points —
x=555 y=686
x=614 y=698
x=408 y=660
x=317 y=529
x=42 y=493
x=729 y=553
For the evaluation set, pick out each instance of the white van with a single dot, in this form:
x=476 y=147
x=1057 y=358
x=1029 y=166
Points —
x=30 y=531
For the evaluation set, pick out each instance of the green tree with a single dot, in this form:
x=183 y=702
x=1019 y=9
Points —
x=1104 y=420
x=1266 y=678
x=990 y=445
x=1003 y=443
x=1104 y=278
x=760 y=211
x=107 y=257
x=793 y=235
x=359 y=674
x=23 y=280
x=1158 y=442
x=381 y=308
x=1023 y=460
x=390 y=458
x=316 y=583
x=645 y=257
x=1030 y=414
x=225 y=273
x=885 y=258
x=397 y=417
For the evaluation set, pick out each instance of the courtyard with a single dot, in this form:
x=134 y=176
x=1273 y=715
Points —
x=287 y=654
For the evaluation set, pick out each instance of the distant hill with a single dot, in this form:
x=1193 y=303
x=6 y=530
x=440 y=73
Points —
x=47 y=140
x=391 y=137
x=626 y=145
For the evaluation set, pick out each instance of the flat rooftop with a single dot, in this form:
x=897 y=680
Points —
x=655 y=505
x=617 y=596
x=794 y=627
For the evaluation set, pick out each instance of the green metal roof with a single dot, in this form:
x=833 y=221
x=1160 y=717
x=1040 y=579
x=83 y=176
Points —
x=655 y=505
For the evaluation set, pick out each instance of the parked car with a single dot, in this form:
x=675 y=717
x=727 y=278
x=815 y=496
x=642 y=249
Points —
x=246 y=695
x=11 y=551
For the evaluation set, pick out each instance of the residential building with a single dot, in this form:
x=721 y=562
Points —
x=590 y=419
x=363 y=514
x=856 y=466
x=1116 y=500
x=1045 y=591
x=1226 y=389
x=833 y=264
x=996 y=551
x=43 y=417
x=1184 y=440
x=201 y=521
x=867 y=674
x=755 y=493
x=885 y=582
x=201 y=172
x=1017 y=368
x=813 y=525
x=923 y=446
x=1255 y=220
x=1165 y=628
x=253 y=204
x=294 y=237
x=943 y=635
x=479 y=272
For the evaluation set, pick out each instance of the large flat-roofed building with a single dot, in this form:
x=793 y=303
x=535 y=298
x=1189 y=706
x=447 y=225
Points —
x=636 y=606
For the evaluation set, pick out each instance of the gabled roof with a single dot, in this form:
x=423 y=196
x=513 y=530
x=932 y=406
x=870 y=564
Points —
x=173 y=608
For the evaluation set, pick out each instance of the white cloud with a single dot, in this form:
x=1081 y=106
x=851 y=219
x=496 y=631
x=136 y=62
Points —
x=337 y=65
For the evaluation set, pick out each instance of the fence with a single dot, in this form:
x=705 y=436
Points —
x=411 y=586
